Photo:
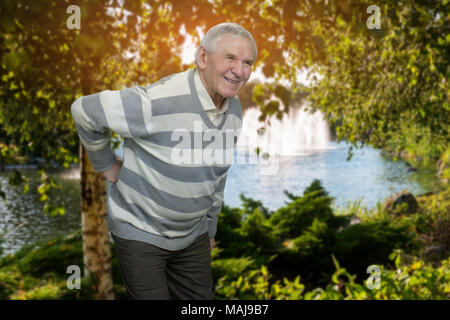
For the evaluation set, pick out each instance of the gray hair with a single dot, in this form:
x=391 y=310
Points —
x=209 y=41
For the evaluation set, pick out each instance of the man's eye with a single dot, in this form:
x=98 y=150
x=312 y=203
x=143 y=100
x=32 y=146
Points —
x=230 y=58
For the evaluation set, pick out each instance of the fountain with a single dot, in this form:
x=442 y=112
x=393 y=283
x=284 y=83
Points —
x=297 y=133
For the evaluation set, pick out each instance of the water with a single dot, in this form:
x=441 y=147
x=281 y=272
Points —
x=368 y=176
x=21 y=216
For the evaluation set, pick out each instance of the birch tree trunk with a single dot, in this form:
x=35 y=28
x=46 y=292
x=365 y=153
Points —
x=96 y=248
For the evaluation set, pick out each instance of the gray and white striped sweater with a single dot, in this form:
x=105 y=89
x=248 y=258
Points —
x=171 y=185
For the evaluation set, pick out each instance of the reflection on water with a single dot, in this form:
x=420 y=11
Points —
x=368 y=176
x=21 y=217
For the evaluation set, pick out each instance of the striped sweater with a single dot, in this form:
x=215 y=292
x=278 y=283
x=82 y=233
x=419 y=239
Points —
x=171 y=185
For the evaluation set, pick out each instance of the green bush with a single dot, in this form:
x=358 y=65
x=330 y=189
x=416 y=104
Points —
x=9 y=281
x=228 y=234
x=48 y=291
x=242 y=233
x=364 y=244
x=249 y=205
x=408 y=281
x=293 y=219
x=230 y=268
x=39 y=271
x=259 y=232
x=311 y=240
x=356 y=246
x=52 y=256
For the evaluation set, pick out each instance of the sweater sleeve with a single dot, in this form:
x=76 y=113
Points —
x=96 y=115
x=213 y=213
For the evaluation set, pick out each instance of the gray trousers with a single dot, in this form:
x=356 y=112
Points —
x=150 y=272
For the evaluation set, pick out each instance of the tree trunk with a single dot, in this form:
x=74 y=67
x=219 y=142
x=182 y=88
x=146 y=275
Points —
x=96 y=248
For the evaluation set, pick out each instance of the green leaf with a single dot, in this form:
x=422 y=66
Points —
x=11 y=60
x=57 y=211
x=26 y=188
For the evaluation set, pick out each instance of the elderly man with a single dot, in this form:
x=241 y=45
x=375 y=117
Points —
x=162 y=212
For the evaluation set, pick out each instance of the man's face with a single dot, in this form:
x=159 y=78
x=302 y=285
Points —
x=228 y=68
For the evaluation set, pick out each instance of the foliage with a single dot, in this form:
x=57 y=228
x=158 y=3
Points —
x=44 y=292
x=246 y=231
x=371 y=243
x=252 y=285
x=292 y=219
x=39 y=271
x=388 y=86
x=300 y=237
x=228 y=235
x=259 y=232
x=249 y=205
x=51 y=256
x=230 y=268
x=414 y=144
x=434 y=223
x=256 y=271
x=407 y=281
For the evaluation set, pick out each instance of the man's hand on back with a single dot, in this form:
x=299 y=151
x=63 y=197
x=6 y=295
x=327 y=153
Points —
x=112 y=175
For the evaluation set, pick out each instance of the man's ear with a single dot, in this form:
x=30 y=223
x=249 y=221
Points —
x=201 y=58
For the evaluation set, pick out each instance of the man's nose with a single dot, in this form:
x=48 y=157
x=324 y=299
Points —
x=238 y=70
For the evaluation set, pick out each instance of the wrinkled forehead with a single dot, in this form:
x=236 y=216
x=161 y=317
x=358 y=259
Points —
x=236 y=45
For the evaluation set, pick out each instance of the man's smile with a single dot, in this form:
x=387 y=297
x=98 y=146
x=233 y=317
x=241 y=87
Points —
x=231 y=81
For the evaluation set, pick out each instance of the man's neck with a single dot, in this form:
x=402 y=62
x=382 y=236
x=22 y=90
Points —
x=216 y=98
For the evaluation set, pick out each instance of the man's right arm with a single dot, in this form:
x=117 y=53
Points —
x=96 y=115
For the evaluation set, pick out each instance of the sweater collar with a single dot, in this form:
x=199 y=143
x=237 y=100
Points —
x=204 y=97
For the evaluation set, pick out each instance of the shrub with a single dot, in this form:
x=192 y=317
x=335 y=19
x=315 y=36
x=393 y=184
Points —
x=230 y=268
x=414 y=281
x=249 y=205
x=259 y=232
x=48 y=291
x=256 y=284
x=9 y=280
x=408 y=281
x=228 y=225
x=51 y=256
x=361 y=245
x=294 y=218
